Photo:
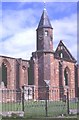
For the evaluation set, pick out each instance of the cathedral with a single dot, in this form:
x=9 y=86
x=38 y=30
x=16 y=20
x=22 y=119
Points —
x=47 y=71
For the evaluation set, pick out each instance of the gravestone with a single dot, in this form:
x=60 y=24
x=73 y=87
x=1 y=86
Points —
x=2 y=85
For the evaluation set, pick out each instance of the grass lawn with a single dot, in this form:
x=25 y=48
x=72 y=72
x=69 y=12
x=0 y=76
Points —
x=54 y=108
x=43 y=118
x=39 y=119
x=35 y=109
x=11 y=106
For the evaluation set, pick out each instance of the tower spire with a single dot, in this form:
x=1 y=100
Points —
x=44 y=21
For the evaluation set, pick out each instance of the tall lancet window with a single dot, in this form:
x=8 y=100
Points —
x=4 y=74
x=66 y=76
x=61 y=55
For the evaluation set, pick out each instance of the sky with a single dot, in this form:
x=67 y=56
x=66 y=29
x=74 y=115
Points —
x=19 y=21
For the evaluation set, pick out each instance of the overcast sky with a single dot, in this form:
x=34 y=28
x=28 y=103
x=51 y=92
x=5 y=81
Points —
x=20 y=20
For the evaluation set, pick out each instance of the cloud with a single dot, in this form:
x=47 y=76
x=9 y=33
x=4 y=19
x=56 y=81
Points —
x=66 y=29
x=19 y=35
x=20 y=44
x=17 y=20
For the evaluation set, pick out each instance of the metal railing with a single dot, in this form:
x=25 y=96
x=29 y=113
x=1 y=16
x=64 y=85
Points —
x=55 y=102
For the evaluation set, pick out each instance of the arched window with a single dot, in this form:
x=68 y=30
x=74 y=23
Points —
x=61 y=55
x=66 y=76
x=24 y=78
x=4 y=74
x=6 y=71
x=46 y=33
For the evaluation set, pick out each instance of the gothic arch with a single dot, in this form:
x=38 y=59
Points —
x=24 y=74
x=6 y=71
x=67 y=75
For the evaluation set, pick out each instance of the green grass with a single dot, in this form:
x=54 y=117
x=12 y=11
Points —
x=73 y=105
x=39 y=119
x=44 y=118
x=54 y=109
x=11 y=106
x=37 y=108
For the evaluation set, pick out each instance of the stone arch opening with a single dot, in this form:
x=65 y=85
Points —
x=24 y=74
x=66 y=76
x=4 y=74
x=6 y=69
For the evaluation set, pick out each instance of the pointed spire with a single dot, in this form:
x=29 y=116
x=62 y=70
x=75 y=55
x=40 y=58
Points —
x=44 y=21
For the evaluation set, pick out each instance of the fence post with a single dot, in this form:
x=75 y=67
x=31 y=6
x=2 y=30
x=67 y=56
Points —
x=67 y=101
x=46 y=102
x=23 y=98
x=2 y=101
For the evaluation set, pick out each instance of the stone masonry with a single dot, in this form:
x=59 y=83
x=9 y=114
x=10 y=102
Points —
x=48 y=73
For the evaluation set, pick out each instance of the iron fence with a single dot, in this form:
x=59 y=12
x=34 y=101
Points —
x=40 y=101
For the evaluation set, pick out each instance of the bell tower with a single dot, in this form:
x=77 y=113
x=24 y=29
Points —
x=44 y=33
x=43 y=57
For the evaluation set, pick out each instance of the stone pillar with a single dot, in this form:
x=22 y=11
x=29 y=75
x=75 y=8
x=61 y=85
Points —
x=36 y=79
x=78 y=82
x=0 y=70
x=51 y=84
x=20 y=72
x=26 y=73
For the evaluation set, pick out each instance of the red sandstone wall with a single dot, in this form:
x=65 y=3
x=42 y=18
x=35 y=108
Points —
x=23 y=73
x=10 y=63
x=11 y=71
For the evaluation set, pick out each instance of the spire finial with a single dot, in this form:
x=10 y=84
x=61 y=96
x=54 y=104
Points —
x=44 y=5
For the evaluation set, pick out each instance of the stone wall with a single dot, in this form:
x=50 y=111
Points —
x=49 y=69
x=44 y=67
x=11 y=74
x=17 y=76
